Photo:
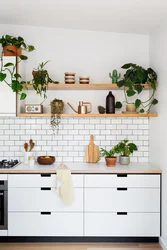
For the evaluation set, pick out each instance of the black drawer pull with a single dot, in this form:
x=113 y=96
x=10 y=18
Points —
x=45 y=175
x=122 y=213
x=122 y=175
x=122 y=189
x=45 y=213
x=45 y=188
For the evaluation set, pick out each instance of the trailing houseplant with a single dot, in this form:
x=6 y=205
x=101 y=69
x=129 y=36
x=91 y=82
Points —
x=13 y=46
x=133 y=84
x=41 y=79
x=109 y=156
x=125 y=149
x=57 y=107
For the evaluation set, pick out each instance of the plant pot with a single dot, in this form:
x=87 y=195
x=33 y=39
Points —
x=111 y=162
x=57 y=107
x=124 y=160
x=130 y=108
x=12 y=50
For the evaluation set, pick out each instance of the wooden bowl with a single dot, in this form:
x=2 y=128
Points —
x=42 y=160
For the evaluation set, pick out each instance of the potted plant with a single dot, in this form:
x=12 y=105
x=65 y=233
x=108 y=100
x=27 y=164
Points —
x=133 y=84
x=57 y=107
x=13 y=46
x=41 y=79
x=109 y=156
x=125 y=149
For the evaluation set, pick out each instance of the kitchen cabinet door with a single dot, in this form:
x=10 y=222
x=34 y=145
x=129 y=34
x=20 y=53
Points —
x=7 y=96
x=42 y=199
x=125 y=225
x=122 y=200
x=53 y=224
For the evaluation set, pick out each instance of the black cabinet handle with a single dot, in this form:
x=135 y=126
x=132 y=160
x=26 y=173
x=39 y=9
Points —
x=46 y=188
x=45 y=213
x=45 y=175
x=122 y=175
x=122 y=189
x=122 y=213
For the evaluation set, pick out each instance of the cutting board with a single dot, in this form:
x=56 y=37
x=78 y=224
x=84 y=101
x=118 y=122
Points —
x=92 y=153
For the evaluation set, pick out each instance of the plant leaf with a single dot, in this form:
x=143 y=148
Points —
x=138 y=88
x=22 y=57
x=155 y=101
x=137 y=103
x=142 y=111
x=130 y=92
x=120 y=83
x=118 y=105
x=23 y=96
x=8 y=64
x=17 y=75
x=2 y=77
x=128 y=65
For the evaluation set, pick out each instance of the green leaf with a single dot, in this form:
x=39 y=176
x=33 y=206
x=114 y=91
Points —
x=118 y=105
x=8 y=64
x=153 y=85
x=130 y=92
x=142 y=111
x=120 y=83
x=16 y=86
x=137 y=103
x=31 y=48
x=128 y=65
x=17 y=75
x=22 y=57
x=129 y=84
x=138 y=88
x=155 y=101
x=23 y=96
x=2 y=77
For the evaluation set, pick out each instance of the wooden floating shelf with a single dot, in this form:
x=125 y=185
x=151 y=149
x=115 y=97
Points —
x=89 y=115
x=92 y=86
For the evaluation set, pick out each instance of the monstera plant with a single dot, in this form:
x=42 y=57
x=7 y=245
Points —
x=133 y=84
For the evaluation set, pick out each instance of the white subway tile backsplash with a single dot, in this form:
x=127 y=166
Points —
x=74 y=134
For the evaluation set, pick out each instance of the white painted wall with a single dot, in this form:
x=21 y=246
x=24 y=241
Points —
x=85 y=52
x=158 y=127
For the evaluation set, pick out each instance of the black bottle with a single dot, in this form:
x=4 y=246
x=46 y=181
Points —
x=110 y=103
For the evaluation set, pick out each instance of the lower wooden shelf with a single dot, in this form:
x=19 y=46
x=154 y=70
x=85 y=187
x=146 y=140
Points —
x=89 y=115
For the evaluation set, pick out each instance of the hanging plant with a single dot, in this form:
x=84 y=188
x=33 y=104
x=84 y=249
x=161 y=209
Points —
x=57 y=107
x=133 y=84
x=13 y=46
x=41 y=79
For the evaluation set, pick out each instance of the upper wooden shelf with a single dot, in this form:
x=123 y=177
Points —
x=93 y=86
x=89 y=115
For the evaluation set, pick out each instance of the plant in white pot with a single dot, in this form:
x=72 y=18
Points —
x=125 y=149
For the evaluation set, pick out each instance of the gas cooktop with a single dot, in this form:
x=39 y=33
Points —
x=9 y=164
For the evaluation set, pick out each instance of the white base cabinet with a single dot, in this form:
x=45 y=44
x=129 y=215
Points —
x=37 y=224
x=130 y=225
x=105 y=205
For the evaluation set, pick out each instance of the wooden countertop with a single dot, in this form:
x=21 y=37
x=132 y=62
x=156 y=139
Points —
x=86 y=168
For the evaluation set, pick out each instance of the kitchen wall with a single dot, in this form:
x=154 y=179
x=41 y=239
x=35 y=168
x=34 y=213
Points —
x=87 y=53
x=69 y=144
x=158 y=127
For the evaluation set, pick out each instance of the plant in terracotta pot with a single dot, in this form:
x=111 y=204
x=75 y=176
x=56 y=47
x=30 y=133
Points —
x=125 y=149
x=41 y=79
x=57 y=107
x=133 y=84
x=109 y=156
x=13 y=46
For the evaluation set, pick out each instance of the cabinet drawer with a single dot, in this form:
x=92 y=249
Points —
x=132 y=224
x=35 y=199
x=122 y=180
x=54 y=224
x=122 y=200
x=40 y=180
